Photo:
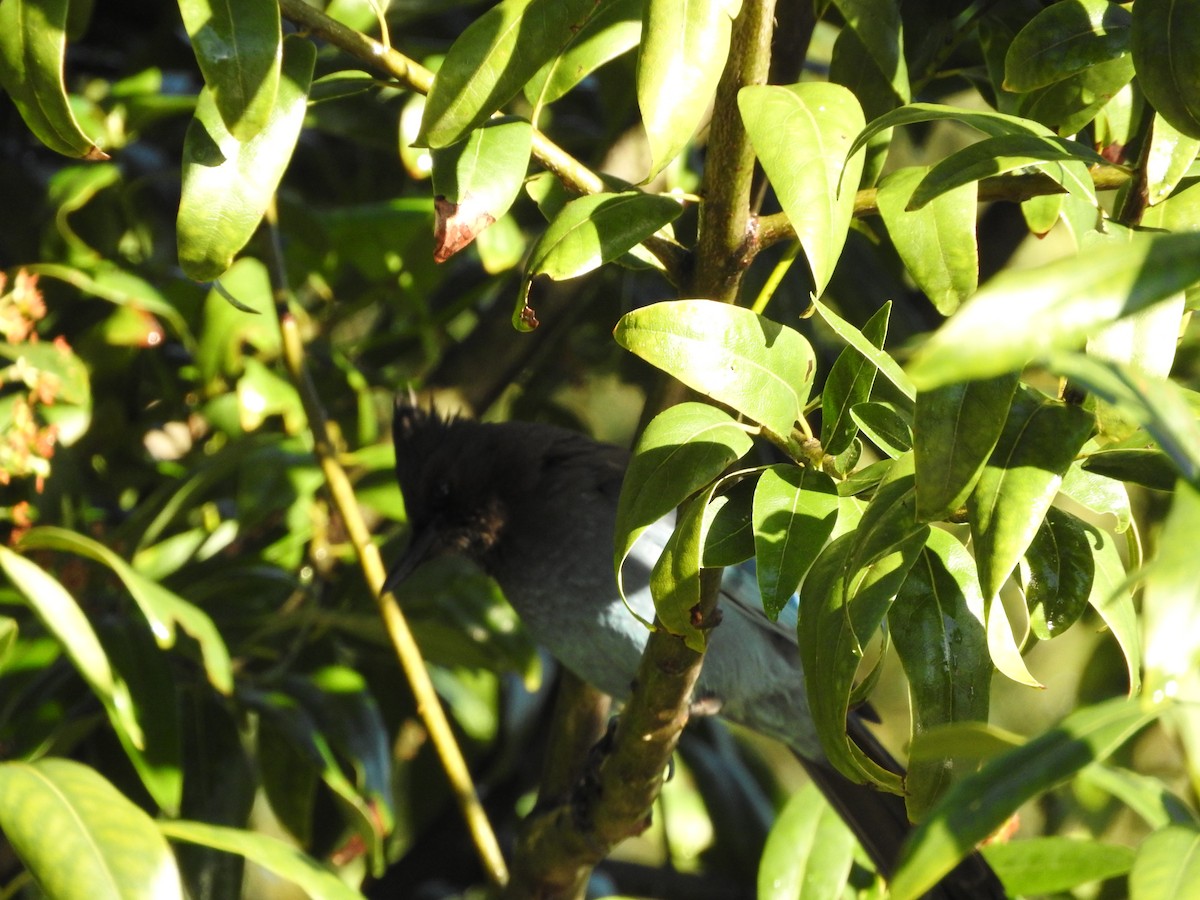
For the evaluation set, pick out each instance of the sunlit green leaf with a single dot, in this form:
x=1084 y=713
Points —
x=937 y=241
x=1052 y=864
x=849 y=383
x=239 y=47
x=683 y=52
x=1165 y=43
x=33 y=46
x=794 y=513
x=802 y=134
x=1167 y=864
x=615 y=29
x=980 y=803
x=1064 y=39
x=79 y=836
x=762 y=369
x=881 y=360
x=1024 y=314
x=809 y=851
x=228 y=183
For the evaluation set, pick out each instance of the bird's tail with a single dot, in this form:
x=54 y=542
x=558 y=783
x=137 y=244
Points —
x=880 y=821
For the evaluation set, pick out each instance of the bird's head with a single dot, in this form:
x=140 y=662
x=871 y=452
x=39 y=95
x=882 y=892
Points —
x=451 y=475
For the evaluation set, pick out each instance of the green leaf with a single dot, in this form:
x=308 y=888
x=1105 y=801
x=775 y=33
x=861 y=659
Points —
x=615 y=29
x=1167 y=864
x=591 y=231
x=1166 y=44
x=937 y=241
x=1064 y=39
x=794 y=513
x=78 y=836
x=492 y=59
x=1167 y=160
x=1155 y=403
x=1147 y=466
x=1057 y=573
x=1099 y=494
x=991 y=123
x=842 y=603
x=63 y=618
x=227 y=183
x=1064 y=161
x=877 y=26
x=684 y=46
x=937 y=627
x=239 y=47
x=1171 y=601
x=809 y=851
x=163 y=609
x=1050 y=865
x=802 y=134
x=1020 y=480
x=1072 y=103
x=887 y=429
x=683 y=449
x=675 y=579
x=955 y=429
x=33 y=46
x=849 y=383
x=478 y=179
x=875 y=355
x=1022 y=315
x=980 y=803
x=1145 y=795
x=760 y=368
x=728 y=522
x=276 y=856
x=1112 y=598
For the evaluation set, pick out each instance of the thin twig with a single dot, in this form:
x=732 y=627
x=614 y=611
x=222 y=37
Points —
x=429 y=708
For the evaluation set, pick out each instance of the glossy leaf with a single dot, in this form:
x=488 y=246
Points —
x=728 y=522
x=1099 y=494
x=33 y=46
x=802 y=135
x=842 y=604
x=1171 y=601
x=682 y=449
x=1064 y=161
x=876 y=27
x=1156 y=404
x=1022 y=315
x=1005 y=639
x=1112 y=598
x=615 y=29
x=1166 y=44
x=887 y=429
x=1070 y=104
x=1168 y=158
x=683 y=52
x=63 y=618
x=1167 y=864
x=809 y=851
x=477 y=180
x=1148 y=466
x=794 y=513
x=937 y=627
x=675 y=578
x=1064 y=39
x=78 y=836
x=276 y=856
x=492 y=59
x=1020 y=480
x=227 y=184
x=164 y=610
x=1057 y=574
x=937 y=241
x=882 y=361
x=955 y=429
x=239 y=47
x=1053 y=864
x=849 y=383
x=979 y=804
x=987 y=121
x=760 y=368
x=593 y=230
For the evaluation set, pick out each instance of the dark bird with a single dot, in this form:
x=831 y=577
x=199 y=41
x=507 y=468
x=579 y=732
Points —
x=535 y=506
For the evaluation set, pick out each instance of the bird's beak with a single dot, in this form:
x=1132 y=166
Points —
x=420 y=547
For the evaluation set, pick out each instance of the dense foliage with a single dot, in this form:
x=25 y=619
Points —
x=937 y=259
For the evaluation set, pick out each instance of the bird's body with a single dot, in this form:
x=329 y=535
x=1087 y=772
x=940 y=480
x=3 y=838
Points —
x=535 y=506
